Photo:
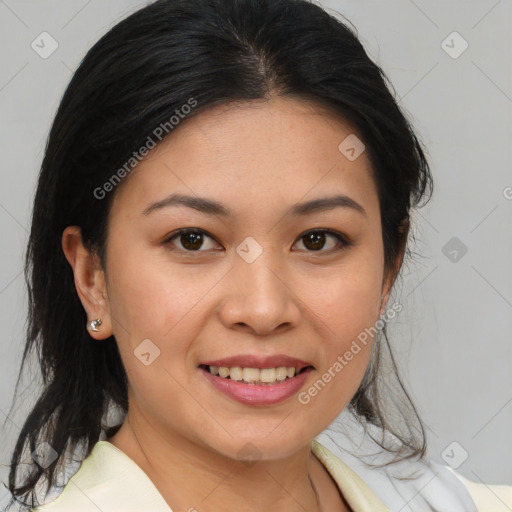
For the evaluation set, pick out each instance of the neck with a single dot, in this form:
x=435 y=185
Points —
x=192 y=477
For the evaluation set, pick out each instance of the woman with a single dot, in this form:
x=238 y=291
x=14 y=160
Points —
x=222 y=211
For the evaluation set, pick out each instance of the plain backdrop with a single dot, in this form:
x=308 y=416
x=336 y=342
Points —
x=449 y=62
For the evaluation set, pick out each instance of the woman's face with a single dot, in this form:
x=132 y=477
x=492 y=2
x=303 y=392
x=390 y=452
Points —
x=249 y=289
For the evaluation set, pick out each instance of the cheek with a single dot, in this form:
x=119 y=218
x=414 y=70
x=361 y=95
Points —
x=157 y=313
x=346 y=308
x=159 y=393
x=345 y=300
x=347 y=314
x=154 y=321
x=151 y=299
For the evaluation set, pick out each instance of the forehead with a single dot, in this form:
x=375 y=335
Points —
x=261 y=153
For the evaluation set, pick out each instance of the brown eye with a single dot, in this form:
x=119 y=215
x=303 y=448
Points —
x=191 y=240
x=316 y=240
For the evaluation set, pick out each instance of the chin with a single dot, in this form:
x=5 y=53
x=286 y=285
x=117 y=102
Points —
x=261 y=447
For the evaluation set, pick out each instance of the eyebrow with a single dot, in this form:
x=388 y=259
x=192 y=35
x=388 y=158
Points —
x=212 y=207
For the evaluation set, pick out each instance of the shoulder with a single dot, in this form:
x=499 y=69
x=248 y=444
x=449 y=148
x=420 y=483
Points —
x=487 y=497
x=107 y=480
x=418 y=485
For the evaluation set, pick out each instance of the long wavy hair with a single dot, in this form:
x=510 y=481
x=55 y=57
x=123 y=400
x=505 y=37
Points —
x=133 y=80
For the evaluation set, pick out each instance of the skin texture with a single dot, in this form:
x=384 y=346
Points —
x=258 y=159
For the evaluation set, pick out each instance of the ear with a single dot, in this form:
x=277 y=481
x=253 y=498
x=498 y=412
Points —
x=390 y=275
x=90 y=281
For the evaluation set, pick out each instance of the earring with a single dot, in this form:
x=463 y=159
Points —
x=94 y=324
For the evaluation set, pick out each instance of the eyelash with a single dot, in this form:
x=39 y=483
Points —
x=342 y=240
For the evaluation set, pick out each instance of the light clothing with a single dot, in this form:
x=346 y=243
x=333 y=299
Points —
x=110 y=481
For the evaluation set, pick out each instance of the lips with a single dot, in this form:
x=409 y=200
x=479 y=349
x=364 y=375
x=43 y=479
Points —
x=257 y=380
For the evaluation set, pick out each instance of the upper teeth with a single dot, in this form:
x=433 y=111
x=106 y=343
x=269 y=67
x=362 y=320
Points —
x=268 y=375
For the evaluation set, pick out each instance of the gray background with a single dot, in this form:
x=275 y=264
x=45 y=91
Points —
x=453 y=336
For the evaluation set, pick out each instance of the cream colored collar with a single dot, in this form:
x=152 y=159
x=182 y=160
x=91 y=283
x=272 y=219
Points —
x=358 y=495
x=109 y=480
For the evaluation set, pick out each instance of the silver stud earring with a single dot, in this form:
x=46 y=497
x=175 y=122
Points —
x=94 y=324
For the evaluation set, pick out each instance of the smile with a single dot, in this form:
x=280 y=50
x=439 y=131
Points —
x=256 y=386
x=255 y=376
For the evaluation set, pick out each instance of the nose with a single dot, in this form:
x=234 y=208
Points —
x=259 y=297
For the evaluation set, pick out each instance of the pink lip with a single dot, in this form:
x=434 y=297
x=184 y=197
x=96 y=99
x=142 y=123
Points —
x=253 y=361
x=253 y=394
